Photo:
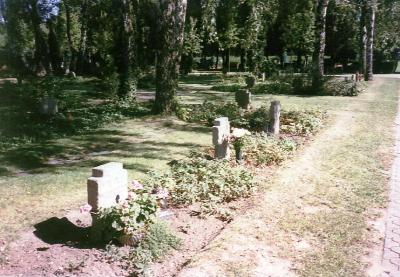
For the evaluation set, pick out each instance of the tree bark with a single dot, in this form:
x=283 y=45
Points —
x=125 y=47
x=41 y=49
x=54 y=48
x=71 y=66
x=368 y=75
x=320 y=42
x=172 y=25
x=363 y=39
x=83 y=38
x=242 y=66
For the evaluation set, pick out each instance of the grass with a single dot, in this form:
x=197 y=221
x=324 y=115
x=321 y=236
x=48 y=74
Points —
x=322 y=198
x=314 y=214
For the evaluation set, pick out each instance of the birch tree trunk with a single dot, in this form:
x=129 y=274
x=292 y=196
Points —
x=172 y=21
x=320 y=42
x=370 y=26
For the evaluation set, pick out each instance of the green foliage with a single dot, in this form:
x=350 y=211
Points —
x=339 y=87
x=20 y=117
x=257 y=120
x=208 y=112
x=158 y=241
x=228 y=87
x=261 y=149
x=302 y=123
x=131 y=217
x=250 y=81
x=199 y=180
x=273 y=87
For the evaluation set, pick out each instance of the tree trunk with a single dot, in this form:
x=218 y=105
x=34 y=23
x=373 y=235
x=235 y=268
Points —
x=227 y=62
x=83 y=38
x=124 y=46
x=217 y=60
x=172 y=25
x=242 y=66
x=320 y=42
x=41 y=50
x=363 y=39
x=370 y=16
x=54 y=49
x=71 y=66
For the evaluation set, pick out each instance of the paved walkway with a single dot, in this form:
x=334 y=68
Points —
x=391 y=251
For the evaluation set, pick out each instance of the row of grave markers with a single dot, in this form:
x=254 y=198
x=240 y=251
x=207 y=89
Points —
x=221 y=130
x=108 y=185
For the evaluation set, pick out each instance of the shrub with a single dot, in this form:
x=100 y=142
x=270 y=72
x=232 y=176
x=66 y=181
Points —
x=228 y=87
x=272 y=87
x=258 y=119
x=250 y=81
x=132 y=217
x=302 y=122
x=158 y=241
x=302 y=84
x=208 y=112
x=205 y=181
x=340 y=87
x=261 y=149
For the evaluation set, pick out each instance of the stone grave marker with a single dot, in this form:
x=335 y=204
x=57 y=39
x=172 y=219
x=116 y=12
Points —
x=274 y=114
x=108 y=186
x=243 y=99
x=221 y=132
x=48 y=106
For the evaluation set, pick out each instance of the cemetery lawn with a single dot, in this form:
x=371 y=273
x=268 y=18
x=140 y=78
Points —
x=319 y=212
x=322 y=198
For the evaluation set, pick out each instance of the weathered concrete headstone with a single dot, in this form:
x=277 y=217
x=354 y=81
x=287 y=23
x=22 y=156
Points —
x=274 y=118
x=108 y=186
x=243 y=99
x=250 y=81
x=48 y=106
x=221 y=131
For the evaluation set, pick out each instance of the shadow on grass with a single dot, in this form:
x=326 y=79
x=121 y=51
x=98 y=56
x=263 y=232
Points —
x=51 y=156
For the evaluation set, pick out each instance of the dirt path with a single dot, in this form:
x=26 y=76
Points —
x=277 y=237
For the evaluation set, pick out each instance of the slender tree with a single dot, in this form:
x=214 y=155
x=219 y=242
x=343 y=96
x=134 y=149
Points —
x=125 y=47
x=370 y=26
x=172 y=24
x=41 y=47
x=321 y=7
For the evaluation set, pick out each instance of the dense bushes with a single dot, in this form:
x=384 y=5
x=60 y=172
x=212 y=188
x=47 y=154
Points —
x=292 y=122
x=302 y=123
x=205 y=181
x=261 y=149
x=339 y=87
x=298 y=84
x=272 y=87
x=131 y=218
